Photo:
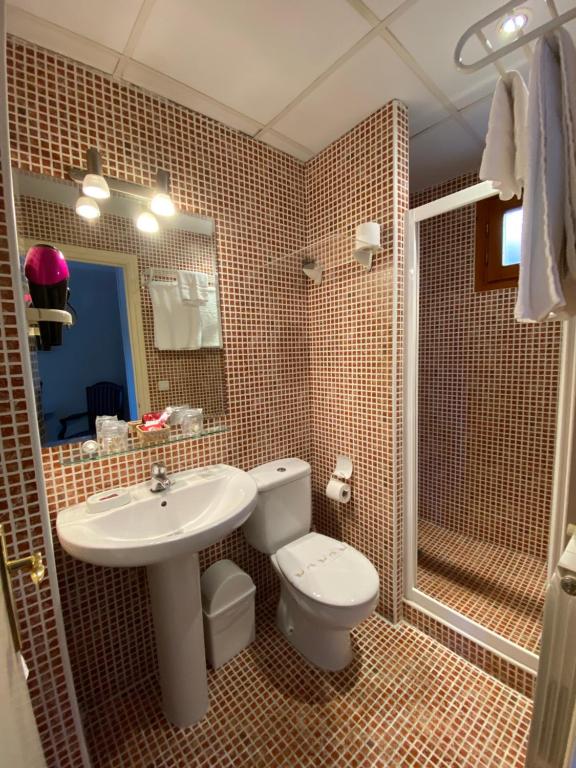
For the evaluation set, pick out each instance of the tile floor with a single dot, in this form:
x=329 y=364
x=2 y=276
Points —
x=500 y=589
x=405 y=701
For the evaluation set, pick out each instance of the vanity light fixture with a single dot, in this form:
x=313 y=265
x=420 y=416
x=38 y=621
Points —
x=147 y=222
x=87 y=207
x=94 y=183
x=162 y=204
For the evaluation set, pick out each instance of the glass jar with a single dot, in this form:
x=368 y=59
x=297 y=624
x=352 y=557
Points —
x=113 y=436
x=100 y=420
x=192 y=422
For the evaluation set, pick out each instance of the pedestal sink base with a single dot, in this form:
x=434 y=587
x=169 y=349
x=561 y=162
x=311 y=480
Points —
x=177 y=610
x=164 y=531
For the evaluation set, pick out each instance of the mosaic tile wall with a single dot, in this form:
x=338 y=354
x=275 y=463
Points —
x=256 y=195
x=355 y=344
x=21 y=518
x=487 y=395
x=196 y=377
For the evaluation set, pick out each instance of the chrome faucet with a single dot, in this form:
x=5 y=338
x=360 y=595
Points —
x=159 y=480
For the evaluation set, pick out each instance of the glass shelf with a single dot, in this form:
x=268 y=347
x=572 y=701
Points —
x=70 y=454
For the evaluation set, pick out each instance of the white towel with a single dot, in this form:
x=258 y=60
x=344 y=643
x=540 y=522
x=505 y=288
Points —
x=545 y=288
x=194 y=287
x=567 y=60
x=176 y=325
x=210 y=321
x=504 y=158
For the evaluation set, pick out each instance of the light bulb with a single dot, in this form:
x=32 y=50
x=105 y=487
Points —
x=162 y=204
x=514 y=23
x=147 y=222
x=87 y=208
x=95 y=186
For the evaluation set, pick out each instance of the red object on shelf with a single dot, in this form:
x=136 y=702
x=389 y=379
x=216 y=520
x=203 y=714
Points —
x=153 y=416
x=150 y=427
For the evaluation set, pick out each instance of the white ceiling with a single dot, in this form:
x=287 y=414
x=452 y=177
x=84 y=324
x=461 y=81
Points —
x=296 y=74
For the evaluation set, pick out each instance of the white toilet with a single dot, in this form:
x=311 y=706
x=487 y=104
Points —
x=327 y=587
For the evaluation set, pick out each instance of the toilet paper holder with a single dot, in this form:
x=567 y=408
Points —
x=343 y=468
x=338 y=489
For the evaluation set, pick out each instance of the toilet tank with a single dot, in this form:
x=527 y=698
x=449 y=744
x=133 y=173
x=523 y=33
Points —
x=283 y=510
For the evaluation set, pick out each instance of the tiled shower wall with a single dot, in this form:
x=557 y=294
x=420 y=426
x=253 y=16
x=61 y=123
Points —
x=355 y=338
x=487 y=395
x=257 y=197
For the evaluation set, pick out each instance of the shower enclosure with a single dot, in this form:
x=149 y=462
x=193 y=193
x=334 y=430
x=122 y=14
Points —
x=488 y=405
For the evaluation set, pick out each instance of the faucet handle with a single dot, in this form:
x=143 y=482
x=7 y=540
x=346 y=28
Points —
x=159 y=469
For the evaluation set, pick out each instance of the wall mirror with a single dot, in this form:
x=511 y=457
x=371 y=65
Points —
x=123 y=347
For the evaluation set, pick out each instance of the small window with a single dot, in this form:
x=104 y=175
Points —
x=498 y=236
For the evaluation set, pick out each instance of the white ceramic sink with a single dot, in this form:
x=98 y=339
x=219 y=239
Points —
x=164 y=531
x=200 y=508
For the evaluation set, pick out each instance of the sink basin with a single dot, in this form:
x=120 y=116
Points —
x=199 y=509
x=165 y=531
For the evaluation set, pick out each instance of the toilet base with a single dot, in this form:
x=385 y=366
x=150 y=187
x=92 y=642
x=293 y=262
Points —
x=324 y=646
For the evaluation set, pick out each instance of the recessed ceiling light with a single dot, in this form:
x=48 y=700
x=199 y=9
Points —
x=514 y=23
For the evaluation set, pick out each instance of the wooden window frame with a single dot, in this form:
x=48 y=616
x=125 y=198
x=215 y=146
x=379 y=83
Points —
x=490 y=273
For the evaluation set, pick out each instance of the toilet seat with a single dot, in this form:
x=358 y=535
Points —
x=328 y=571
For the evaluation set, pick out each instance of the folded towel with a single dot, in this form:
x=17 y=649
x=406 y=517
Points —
x=504 y=158
x=176 y=325
x=194 y=287
x=210 y=322
x=545 y=287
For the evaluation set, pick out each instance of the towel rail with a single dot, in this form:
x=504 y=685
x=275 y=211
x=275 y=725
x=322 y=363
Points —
x=159 y=273
x=476 y=30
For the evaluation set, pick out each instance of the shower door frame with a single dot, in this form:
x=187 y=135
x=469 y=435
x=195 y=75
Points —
x=564 y=471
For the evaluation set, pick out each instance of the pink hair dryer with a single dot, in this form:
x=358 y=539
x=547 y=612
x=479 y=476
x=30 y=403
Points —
x=47 y=273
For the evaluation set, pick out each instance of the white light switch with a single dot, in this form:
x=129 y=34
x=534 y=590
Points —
x=163 y=386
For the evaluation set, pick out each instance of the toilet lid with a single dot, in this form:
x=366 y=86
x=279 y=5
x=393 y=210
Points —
x=328 y=571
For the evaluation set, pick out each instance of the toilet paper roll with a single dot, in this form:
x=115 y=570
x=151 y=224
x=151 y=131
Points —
x=338 y=491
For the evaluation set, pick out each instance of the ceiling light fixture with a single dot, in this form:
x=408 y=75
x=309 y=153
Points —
x=94 y=183
x=147 y=222
x=162 y=203
x=514 y=23
x=87 y=208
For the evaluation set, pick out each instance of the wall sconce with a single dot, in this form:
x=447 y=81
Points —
x=87 y=208
x=94 y=184
x=147 y=222
x=367 y=243
x=162 y=204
